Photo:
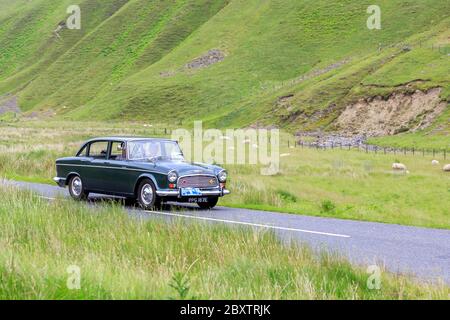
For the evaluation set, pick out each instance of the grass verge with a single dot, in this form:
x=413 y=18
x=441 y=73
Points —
x=123 y=258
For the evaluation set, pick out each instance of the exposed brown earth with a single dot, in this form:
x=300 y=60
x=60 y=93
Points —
x=400 y=112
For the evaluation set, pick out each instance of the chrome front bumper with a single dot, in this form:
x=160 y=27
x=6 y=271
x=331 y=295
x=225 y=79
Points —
x=205 y=193
x=60 y=181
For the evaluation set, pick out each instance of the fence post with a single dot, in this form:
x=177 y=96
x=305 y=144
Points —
x=413 y=151
x=434 y=152
x=445 y=154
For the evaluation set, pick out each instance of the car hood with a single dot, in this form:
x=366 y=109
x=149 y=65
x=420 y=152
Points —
x=184 y=168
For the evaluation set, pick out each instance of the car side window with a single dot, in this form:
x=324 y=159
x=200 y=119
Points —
x=98 y=150
x=118 y=151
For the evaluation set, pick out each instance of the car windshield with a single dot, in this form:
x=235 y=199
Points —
x=153 y=150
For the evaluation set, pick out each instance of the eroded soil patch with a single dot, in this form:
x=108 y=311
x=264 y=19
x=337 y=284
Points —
x=400 y=112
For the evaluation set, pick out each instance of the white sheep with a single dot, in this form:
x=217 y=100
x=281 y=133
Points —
x=399 y=166
x=446 y=168
x=434 y=162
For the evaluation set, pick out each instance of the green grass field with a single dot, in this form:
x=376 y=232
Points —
x=339 y=183
x=122 y=258
x=350 y=185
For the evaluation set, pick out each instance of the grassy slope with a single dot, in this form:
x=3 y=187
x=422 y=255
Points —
x=278 y=43
x=127 y=37
x=124 y=259
x=30 y=45
x=111 y=68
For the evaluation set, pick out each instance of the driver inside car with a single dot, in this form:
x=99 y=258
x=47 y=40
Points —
x=123 y=156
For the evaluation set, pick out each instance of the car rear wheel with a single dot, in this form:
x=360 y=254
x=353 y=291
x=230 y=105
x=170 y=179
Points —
x=211 y=203
x=76 y=189
x=146 y=195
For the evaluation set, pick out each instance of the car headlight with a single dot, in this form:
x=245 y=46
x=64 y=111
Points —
x=222 y=176
x=172 y=176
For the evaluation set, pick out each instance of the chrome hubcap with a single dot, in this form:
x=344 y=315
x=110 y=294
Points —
x=77 y=186
x=147 y=194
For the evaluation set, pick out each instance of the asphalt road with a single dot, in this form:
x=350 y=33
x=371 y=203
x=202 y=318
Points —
x=422 y=252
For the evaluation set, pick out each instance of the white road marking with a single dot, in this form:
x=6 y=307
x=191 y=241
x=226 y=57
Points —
x=249 y=224
x=238 y=222
x=47 y=198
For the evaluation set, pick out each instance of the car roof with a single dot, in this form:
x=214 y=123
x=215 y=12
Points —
x=126 y=139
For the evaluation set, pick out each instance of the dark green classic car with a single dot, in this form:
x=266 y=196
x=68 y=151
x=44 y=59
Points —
x=144 y=169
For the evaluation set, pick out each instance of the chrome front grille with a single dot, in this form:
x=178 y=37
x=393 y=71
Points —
x=199 y=181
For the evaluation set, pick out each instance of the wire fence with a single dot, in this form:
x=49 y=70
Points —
x=441 y=153
x=423 y=152
x=440 y=48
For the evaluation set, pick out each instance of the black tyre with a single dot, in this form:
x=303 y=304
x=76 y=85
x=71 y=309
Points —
x=76 y=189
x=147 y=197
x=212 y=202
x=130 y=201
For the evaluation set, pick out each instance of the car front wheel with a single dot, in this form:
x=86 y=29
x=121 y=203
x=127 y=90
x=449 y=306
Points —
x=211 y=203
x=76 y=189
x=146 y=195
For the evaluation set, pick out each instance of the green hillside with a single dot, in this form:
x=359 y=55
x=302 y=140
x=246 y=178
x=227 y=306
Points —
x=131 y=58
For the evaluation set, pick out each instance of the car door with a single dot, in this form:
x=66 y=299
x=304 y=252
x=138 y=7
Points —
x=97 y=171
x=118 y=176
